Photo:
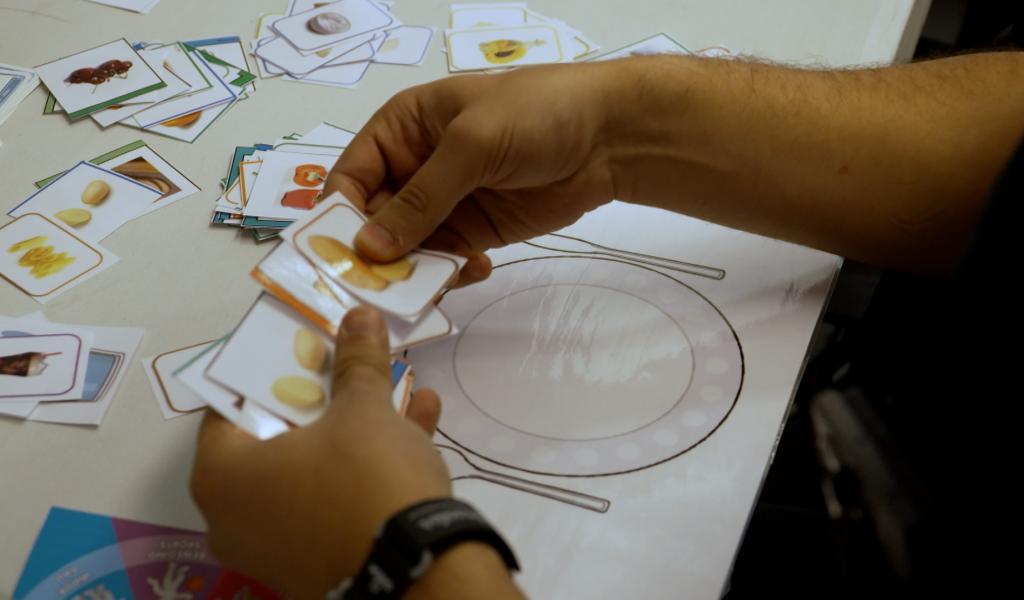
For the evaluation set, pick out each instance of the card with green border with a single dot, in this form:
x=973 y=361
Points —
x=98 y=78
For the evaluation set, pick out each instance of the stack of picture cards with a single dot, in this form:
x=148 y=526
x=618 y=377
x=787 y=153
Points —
x=500 y=35
x=53 y=242
x=61 y=373
x=270 y=185
x=335 y=43
x=172 y=89
x=15 y=84
x=273 y=372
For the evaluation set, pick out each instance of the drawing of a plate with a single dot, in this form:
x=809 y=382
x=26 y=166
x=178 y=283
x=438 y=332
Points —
x=580 y=366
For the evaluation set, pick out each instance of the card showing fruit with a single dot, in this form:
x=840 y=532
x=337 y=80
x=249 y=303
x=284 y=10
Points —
x=498 y=47
x=98 y=78
x=141 y=163
x=43 y=260
x=288 y=186
x=278 y=360
x=404 y=288
x=90 y=201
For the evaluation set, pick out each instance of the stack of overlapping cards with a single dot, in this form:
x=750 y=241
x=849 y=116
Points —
x=274 y=371
x=269 y=186
x=500 y=35
x=53 y=242
x=15 y=84
x=334 y=43
x=173 y=89
x=61 y=373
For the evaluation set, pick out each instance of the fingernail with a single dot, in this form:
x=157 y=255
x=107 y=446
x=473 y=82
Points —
x=362 y=320
x=376 y=239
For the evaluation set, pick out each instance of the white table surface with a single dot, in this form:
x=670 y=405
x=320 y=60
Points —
x=673 y=530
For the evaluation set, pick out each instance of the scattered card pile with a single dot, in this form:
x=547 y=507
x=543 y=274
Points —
x=85 y=556
x=139 y=6
x=61 y=373
x=53 y=242
x=499 y=35
x=334 y=43
x=269 y=186
x=273 y=371
x=15 y=84
x=172 y=89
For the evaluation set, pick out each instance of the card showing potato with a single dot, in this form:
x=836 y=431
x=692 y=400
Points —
x=404 y=288
x=278 y=360
x=90 y=201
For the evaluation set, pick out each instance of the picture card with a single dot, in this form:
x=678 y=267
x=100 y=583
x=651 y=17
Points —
x=98 y=78
x=278 y=360
x=90 y=201
x=405 y=45
x=304 y=148
x=42 y=365
x=113 y=349
x=30 y=326
x=175 y=399
x=156 y=59
x=332 y=23
x=260 y=422
x=342 y=76
x=179 y=59
x=246 y=415
x=230 y=51
x=326 y=134
x=467 y=16
x=138 y=161
x=288 y=186
x=290 y=278
x=192 y=374
x=183 y=111
x=279 y=53
x=403 y=288
x=44 y=260
x=499 y=47
x=187 y=128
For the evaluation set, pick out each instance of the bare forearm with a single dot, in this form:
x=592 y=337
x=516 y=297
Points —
x=891 y=166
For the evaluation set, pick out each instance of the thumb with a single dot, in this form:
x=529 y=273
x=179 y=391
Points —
x=362 y=365
x=453 y=170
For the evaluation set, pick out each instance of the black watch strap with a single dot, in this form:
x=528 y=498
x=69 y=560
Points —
x=406 y=546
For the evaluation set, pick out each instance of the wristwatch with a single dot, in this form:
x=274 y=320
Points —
x=405 y=547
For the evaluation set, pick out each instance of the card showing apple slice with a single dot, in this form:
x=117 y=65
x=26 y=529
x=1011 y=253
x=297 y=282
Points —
x=403 y=288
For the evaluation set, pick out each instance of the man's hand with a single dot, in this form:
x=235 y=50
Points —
x=300 y=511
x=475 y=162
